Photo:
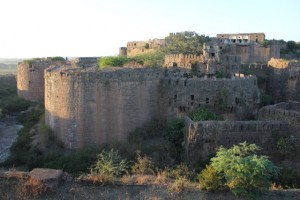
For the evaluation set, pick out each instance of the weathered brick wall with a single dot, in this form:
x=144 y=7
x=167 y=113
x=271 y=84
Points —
x=30 y=79
x=181 y=95
x=90 y=108
x=204 y=137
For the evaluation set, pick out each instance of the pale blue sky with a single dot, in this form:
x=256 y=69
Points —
x=41 y=28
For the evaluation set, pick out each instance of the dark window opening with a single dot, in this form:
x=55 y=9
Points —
x=174 y=64
x=233 y=41
x=240 y=41
x=192 y=97
x=221 y=47
x=211 y=47
x=185 y=82
x=192 y=103
x=175 y=96
x=256 y=40
x=212 y=54
x=183 y=108
x=199 y=105
x=207 y=101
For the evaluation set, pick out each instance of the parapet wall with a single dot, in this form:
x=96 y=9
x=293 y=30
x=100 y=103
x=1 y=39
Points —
x=182 y=60
x=30 y=78
x=92 y=108
x=288 y=112
x=204 y=137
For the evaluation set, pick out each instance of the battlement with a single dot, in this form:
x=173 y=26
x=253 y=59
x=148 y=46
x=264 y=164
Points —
x=111 y=74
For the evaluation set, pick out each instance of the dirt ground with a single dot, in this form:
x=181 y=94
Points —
x=10 y=189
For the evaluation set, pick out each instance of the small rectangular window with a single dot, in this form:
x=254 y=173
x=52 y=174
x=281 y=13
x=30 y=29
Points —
x=192 y=97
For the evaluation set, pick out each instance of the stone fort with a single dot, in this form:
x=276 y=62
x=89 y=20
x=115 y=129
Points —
x=86 y=106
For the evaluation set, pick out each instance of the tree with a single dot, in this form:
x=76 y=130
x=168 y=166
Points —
x=188 y=42
x=244 y=172
x=292 y=46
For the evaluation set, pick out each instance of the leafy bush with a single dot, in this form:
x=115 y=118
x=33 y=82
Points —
x=113 y=61
x=287 y=144
x=13 y=103
x=245 y=173
x=57 y=58
x=143 y=166
x=209 y=179
x=181 y=171
x=110 y=163
x=204 y=115
x=175 y=136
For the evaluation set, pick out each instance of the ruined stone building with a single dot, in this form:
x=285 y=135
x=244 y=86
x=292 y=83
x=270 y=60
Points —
x=134 y=48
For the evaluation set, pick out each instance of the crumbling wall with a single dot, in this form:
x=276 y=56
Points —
x=204 y=137
x=181 y=95
x=92 y=108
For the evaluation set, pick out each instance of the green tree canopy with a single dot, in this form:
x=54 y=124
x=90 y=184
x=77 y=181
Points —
x=245 y=172
x=187 y=42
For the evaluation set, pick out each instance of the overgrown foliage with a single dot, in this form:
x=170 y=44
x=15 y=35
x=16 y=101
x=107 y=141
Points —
x=209 y=179
x=143 y=165
x=110 y=163
x=175 y=136
x=153 y=59
x=204 y=114
x=287 y=144
x=9 y=101
x=187 y=42
x=244 y=172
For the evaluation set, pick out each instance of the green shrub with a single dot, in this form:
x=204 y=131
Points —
x=181 y=171
x=204 y=115
x=110 y=163
x=209 y=179
x=13 y=103
x=175 y=137
x=57 y=58
x=287 y=144
x=112 y=61
x=143 y=165
x=245 y=173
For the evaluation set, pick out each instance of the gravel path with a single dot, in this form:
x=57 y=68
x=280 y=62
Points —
x=8 y=134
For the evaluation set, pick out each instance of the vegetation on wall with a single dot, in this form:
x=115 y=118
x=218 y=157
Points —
x=204 y=114
x=153 y=59
x=187 y=42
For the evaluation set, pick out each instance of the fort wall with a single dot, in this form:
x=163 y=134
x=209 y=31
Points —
x=30 y=79
x=204 y=137
x=92 y=108
x=181 y=95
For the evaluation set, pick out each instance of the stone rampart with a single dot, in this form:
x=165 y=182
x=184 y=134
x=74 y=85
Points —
x=288 y=112
x=30 y=78
x=204 y=137
x=93 y=108
x=182 y=95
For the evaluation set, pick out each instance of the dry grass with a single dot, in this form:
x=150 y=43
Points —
x=180 y=185
x=98 y=179
x=31 y=188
